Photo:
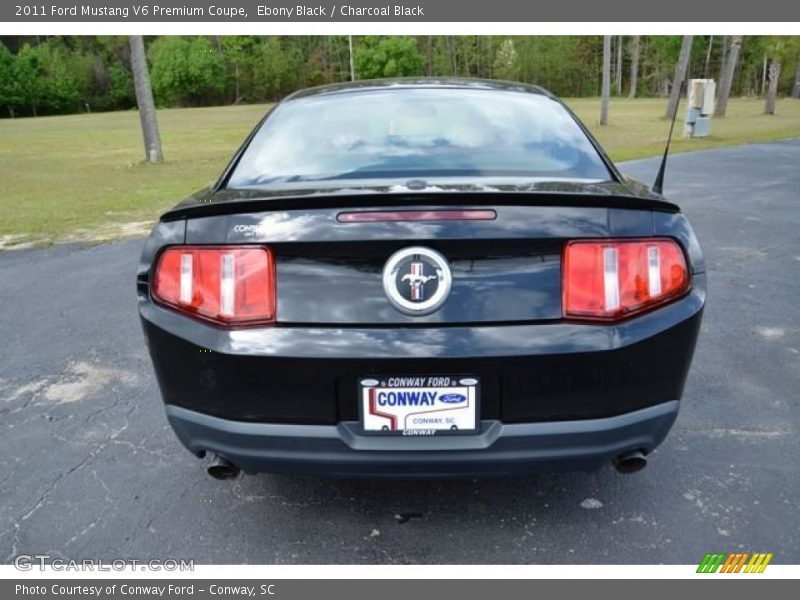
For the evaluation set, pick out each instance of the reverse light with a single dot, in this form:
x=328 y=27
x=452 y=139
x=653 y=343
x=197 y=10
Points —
x=228 y=285
x=609 y=280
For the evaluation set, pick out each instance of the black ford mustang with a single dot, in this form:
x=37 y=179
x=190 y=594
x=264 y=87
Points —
x=421 y=277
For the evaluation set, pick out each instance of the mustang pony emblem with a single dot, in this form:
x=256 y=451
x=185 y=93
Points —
x=416 y=279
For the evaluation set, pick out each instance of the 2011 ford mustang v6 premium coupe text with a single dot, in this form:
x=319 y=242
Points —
x=410 y=278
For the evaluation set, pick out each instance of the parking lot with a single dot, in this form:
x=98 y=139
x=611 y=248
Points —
x=90 y=469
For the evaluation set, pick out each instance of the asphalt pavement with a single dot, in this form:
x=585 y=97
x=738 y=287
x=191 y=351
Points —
x=90 y=469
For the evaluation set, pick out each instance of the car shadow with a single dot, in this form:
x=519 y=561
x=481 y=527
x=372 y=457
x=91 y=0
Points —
x=407 y=501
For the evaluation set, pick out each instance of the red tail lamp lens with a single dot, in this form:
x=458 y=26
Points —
x=232 y=285
x=610 y=280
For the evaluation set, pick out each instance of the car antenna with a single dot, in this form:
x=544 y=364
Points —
x=658 y=186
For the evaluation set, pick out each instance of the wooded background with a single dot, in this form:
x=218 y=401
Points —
x=67 y=74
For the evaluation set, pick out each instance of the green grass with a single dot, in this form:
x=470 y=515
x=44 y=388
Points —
x=82 y=176
x=638 y=129
x=76 y=175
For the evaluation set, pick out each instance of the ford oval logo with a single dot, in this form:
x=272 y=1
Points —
x=453 y=398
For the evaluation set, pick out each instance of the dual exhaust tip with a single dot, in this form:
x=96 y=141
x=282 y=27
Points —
x=626 y=463
x=630 y=462
x=222 y=469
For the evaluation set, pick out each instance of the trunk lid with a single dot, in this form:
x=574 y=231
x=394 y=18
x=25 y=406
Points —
x=504 y=270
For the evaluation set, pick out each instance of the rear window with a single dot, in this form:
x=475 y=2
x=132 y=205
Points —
x=418 y=133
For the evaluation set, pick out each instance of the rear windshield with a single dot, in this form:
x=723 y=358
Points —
x=418 y=133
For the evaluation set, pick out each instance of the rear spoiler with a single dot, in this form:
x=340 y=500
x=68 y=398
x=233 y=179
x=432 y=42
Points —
x=211 y=206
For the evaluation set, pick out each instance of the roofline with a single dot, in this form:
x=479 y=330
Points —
x=418 y=83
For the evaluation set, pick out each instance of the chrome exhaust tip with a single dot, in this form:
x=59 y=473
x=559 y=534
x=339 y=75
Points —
x=630 y=462
x=222 y=469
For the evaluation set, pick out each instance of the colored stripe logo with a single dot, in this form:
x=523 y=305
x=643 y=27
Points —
x=735 y=562
x=416 y=284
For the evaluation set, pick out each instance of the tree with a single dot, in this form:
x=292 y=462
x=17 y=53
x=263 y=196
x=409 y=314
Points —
x=186 y=71
x=120 y=92
x=681 y=68
x=635 y=53
x=566 y=65
x=394 y=56
x=144 y=99
x=708 y=56
x=772 y=88
x=60 y=74
x=30 y=76
x=61 y=89
x=350 y=53
x=9 y=88
x=238 y=52
x=606 y=88
x=505 y=60
x=723 y=56
x=278 y=68
x=726 y=76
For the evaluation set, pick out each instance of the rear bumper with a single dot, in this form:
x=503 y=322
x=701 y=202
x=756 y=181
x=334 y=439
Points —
x=499 y=449
x=529 y=372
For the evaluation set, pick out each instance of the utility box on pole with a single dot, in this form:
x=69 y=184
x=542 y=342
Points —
x=699 y=108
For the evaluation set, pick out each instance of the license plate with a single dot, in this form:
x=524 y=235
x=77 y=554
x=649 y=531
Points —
x=419 y=405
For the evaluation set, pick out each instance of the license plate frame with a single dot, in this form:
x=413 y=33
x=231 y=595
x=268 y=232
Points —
x=461 y=412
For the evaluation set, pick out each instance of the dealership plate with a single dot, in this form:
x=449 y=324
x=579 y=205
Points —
x=419 y=405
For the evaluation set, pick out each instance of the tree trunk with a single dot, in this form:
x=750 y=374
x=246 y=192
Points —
x=680 y=74
x=796 y=86
x=635 y=53
x=489 y=55
x=605 y=91
x=619 y=65
x=451 y=55
x=708 y=56
x=764 y=76
x=429 y=45
x=352 y=65
x=772 y=89
x=723 y=57
x=144 y=99
x=726 y=76
x=614 y=54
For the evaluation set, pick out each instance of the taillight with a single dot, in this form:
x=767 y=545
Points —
x=609 y=280
x=233 y=285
